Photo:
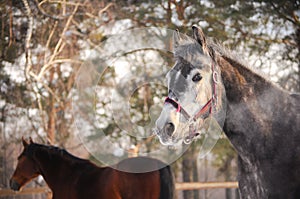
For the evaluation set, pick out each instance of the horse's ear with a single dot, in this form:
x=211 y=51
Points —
x=30 y=140
x=24 y=142
x=176 y=38
x=199 y=37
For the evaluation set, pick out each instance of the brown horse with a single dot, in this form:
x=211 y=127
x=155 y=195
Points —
x=70 y=177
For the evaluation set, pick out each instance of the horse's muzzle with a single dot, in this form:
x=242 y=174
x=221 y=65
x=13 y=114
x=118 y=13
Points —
x=166 y=136
x=14 y=185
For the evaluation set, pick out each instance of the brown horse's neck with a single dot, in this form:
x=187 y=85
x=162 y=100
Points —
x=48 y=167
x=56 y=168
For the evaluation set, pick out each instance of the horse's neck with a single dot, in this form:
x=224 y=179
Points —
x=241 y=82
x=53 y=167
x=262 y=123
x=253 y=104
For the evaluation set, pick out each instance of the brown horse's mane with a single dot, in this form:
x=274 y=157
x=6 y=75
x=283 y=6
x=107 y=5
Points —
x=54 y=152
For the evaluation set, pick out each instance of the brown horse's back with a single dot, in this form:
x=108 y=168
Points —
x=96 y=182
x=140 y=185
x=154 y=178
x=113 y=183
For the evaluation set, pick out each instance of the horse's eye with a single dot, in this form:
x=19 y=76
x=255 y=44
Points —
x=197 y=77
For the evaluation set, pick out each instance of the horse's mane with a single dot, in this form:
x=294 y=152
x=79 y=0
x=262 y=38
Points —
x=53 y=152
x=236 y=59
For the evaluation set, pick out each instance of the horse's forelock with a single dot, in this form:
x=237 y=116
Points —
x=190 y=51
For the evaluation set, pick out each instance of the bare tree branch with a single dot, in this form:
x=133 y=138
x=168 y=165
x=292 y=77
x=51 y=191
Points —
x=59 y=46
x=43 y=12
x=49 y=39
x=105 y=8
x=28 y=39
x=277 y=9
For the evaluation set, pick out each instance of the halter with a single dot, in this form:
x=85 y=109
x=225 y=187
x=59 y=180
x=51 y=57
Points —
x=206 y=109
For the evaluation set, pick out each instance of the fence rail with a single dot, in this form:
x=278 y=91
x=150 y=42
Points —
x=178 y=186
x=26 y=191
x=205 y=185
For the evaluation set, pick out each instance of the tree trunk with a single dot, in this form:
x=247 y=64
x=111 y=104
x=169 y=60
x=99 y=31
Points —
x=298 y=56
x=51 y=114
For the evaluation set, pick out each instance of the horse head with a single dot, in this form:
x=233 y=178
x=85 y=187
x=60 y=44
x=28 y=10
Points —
x=195 y=90
x=26 y=167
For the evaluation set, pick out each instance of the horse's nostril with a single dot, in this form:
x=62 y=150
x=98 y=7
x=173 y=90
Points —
x=169 y=128
x=14 y=185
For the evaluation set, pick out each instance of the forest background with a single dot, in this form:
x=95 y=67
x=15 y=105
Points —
x=44 y=43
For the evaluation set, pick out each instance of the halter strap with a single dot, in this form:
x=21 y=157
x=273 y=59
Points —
x=205 y=109
x=178 y=107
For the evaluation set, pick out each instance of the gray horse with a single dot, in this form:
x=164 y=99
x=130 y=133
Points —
x=261 y=120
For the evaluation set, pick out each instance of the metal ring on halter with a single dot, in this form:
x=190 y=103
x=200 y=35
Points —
x=215 y=77
x=192 y=133
x=214 y=101
x=187 y=140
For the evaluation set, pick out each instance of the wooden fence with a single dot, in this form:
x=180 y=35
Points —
x=205 y=185
x=26 y=191
x=178 y=186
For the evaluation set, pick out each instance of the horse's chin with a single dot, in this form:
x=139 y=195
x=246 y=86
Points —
x=172 y=144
